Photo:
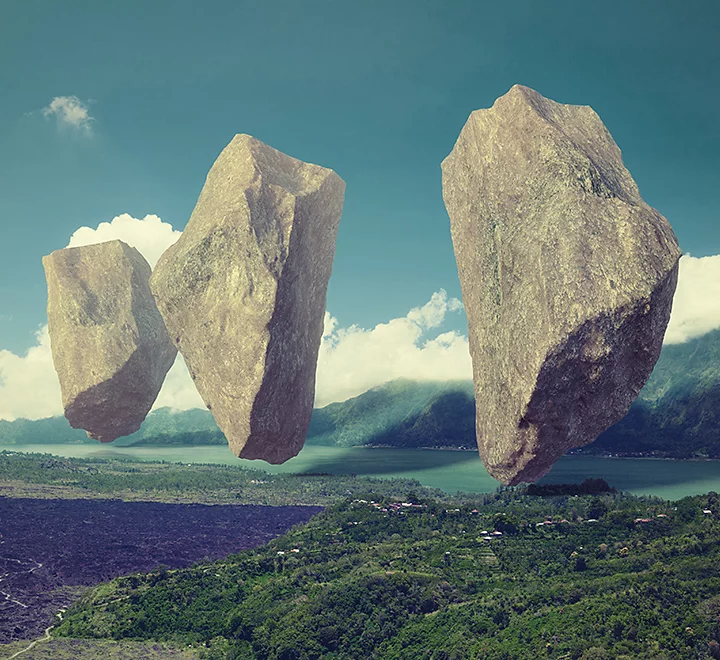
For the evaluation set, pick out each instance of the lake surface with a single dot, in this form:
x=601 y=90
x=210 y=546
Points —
x=450 y=471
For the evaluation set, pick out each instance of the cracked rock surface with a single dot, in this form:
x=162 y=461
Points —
x=567 y=278
x=109 y=344
x=243 y=293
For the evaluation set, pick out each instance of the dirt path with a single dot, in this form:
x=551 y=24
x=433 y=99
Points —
x=4 y=576
x=45 y=638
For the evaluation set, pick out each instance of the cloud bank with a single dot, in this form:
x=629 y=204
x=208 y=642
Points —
x=354 y=359
x=150 y=236
x=696 y=306
x=29 y=386
x=351 y=359
x=178 y=391
x=70 y=112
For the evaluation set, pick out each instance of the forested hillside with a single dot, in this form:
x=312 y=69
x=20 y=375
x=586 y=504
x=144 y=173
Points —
x=401 y=413
x=504 y=576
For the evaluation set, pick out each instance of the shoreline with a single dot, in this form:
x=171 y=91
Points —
x=26 y=449
x=474 y=451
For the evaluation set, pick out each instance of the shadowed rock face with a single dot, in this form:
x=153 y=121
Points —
x=109 y=344
x=243 y=293
x=567 y=278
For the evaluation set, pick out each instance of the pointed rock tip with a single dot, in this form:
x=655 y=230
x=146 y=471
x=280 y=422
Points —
x=258 y=147
x=524 y=94
x=517 y=88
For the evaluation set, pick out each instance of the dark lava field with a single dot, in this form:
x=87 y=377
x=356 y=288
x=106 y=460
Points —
x=50 y=549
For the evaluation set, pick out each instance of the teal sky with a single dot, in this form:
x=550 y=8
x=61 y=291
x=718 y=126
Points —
x=376 y=90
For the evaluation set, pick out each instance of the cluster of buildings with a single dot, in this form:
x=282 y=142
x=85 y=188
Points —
x=393 y=507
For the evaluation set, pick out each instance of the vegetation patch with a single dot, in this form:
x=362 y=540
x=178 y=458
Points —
x=505 y=575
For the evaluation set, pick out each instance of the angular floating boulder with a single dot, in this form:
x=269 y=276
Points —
x=243 y=293
x=109 y=343
x=567 y=278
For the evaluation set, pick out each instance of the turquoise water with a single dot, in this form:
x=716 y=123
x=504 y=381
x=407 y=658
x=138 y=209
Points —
x=450 y=471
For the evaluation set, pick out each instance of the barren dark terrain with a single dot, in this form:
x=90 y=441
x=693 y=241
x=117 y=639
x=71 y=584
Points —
x=51 y=549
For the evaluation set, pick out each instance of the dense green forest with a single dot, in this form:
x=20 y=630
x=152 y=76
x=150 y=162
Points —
x=677 y=415
x=504 y=576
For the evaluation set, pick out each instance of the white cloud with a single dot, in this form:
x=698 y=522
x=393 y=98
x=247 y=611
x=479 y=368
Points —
x=351 y=361
x=70 y=112
x=696 y=306
x=354 y=359
x=29 y=386
x=151 y=236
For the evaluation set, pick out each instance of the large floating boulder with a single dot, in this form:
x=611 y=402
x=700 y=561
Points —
x=243 y=293
x=567 y=278
x=109 y=344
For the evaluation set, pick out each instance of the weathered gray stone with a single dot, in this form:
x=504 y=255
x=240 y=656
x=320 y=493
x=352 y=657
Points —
x=243 y=293
x=109 y=344
x=567 y=278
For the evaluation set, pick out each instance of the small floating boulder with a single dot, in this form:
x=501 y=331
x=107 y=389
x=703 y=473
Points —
x=109 y=344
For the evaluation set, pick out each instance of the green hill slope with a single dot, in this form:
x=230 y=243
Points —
x=162 y=426
x=428 y=579
x=401 y=413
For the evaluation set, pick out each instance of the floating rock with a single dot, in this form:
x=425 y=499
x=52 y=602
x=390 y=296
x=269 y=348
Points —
x=109 y=344
x=567 y=278
x=243 y=293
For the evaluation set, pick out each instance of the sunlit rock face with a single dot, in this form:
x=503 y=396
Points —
x=567 y=278
x=243 y=293
x=109 y=343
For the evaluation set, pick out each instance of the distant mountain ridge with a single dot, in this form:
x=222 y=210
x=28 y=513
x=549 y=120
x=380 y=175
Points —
x=678 y=411
x=401 y=413
x=676 y=415
x=162 y=426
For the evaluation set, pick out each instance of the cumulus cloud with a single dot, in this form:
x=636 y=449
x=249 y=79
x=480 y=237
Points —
x=354 y=359
x=351 y=360
x=29 y=386
x=151 y=236
x=696 y=306
x=70 y=112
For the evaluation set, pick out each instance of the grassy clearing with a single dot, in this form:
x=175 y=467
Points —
x=85 y=649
